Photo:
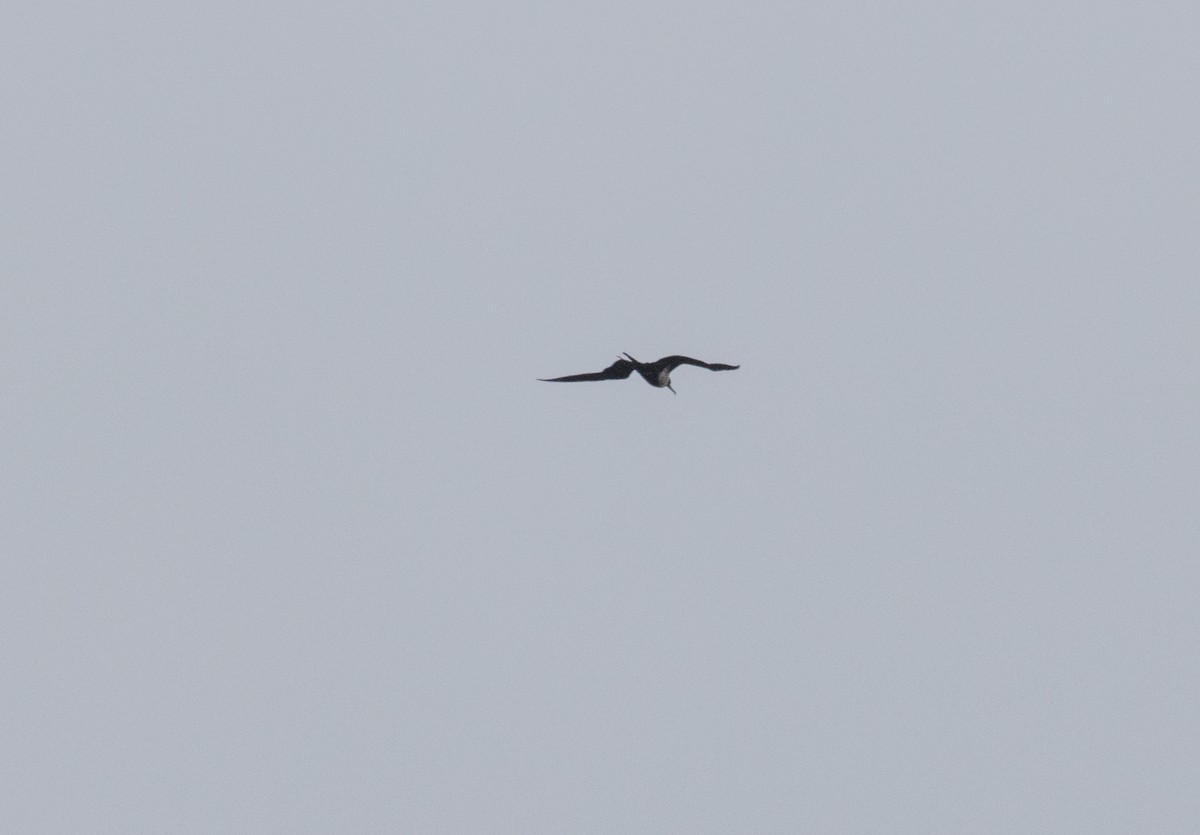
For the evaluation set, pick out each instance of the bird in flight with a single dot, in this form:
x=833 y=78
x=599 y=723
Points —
x=657 y=374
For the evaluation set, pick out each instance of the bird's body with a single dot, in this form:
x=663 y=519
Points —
x=657 y=374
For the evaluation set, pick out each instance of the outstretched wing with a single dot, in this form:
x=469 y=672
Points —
x=619 y=370
x=674 y=362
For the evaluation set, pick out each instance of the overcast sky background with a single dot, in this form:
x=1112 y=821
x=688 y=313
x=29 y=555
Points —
x=293 y=540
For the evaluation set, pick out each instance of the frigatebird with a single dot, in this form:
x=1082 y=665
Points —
x=657 y=374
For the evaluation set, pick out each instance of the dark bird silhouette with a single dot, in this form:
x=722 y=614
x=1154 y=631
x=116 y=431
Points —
x=657 y=374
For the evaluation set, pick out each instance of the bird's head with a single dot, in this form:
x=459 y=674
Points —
x=664 y=379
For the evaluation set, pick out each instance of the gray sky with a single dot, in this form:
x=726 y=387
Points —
x=295 y=542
